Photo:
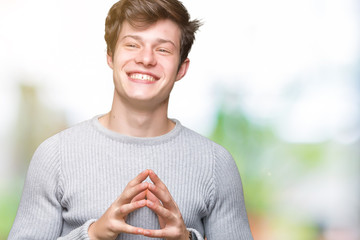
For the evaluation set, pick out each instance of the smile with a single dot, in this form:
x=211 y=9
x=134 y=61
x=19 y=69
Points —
x=142 y=77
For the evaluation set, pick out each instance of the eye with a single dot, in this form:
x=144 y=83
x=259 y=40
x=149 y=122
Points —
x=163 y=50
x=131 y=45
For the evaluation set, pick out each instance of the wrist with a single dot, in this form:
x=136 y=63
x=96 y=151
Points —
x=97 y=231
x=92 y=232
x=188 y=235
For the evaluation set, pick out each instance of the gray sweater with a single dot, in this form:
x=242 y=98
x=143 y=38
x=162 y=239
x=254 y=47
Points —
x=75 y=175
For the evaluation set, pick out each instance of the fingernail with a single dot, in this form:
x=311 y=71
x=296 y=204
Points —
x=150 y=203
x=140 y=231
x=146 y=232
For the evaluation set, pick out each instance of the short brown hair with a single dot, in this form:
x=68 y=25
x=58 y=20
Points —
x=142 y=13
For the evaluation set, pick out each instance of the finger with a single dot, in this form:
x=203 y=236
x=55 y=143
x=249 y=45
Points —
x=150 y=196
x=167 y=233
x=156 y=180
x=134 y=187
x=125 y=209
x=126 y=228
x=130 y=192
x=140 y=196
x=160 y=190
x=163 y=192
x=139 y=178
x=160 y=211
x=164 y=196
x=160 y=233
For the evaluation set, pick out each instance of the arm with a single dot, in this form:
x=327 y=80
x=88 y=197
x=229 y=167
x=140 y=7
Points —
x=39 y=212
x=227 y=217
x=39 y=215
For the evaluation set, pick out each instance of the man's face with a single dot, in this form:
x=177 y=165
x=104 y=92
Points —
x=145 y=63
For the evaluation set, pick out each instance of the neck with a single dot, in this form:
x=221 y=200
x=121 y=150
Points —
x=138 y=121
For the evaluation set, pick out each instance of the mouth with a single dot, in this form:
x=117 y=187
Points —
x=142 y=77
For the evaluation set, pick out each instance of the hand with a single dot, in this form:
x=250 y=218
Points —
x=161 y=202
x=112 y=222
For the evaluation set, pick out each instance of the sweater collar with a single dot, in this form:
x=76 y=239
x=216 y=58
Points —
x=137 y=140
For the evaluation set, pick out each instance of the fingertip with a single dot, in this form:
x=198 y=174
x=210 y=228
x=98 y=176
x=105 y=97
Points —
x=151 y=186
x=144 y=186
x=149 y=203
x=142 y=203
x=153 y=175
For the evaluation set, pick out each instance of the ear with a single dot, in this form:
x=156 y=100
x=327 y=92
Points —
x=109 y=61
x=183 y=69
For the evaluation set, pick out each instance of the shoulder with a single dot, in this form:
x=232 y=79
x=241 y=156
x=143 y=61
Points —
x=78 y=130
x=215 y=154
x=194 y=137
x=216 y=149
x=221 y=157
x=45 y=164
x=50 y=147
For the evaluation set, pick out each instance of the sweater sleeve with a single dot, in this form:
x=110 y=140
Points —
x=39 y=215
x=227 y=218
x=195 y=234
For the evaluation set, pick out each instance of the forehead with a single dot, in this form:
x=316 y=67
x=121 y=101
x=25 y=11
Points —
x=165 y=30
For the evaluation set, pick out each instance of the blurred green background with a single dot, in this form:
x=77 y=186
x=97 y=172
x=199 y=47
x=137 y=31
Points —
x=275 y=82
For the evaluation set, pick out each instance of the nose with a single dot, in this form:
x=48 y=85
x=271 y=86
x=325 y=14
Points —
x=146 y=57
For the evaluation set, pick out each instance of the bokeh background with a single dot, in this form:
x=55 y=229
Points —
x=276 y=82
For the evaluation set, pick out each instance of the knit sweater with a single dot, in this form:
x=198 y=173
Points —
x=75 y=175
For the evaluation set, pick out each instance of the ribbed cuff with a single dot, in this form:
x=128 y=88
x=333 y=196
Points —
x=80 y=233
x=195 y=234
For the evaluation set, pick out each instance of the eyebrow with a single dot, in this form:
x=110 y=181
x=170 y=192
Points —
x=158 y=40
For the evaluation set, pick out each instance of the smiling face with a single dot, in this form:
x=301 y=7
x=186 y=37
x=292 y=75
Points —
x=146 y=63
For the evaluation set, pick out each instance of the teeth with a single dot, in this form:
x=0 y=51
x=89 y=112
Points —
x=143 y=77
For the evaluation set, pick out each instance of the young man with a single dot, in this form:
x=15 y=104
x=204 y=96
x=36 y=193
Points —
x=93 y=181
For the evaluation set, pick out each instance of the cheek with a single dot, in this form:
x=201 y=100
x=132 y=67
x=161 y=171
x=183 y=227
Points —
x=171 y=66
x=122 y=57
